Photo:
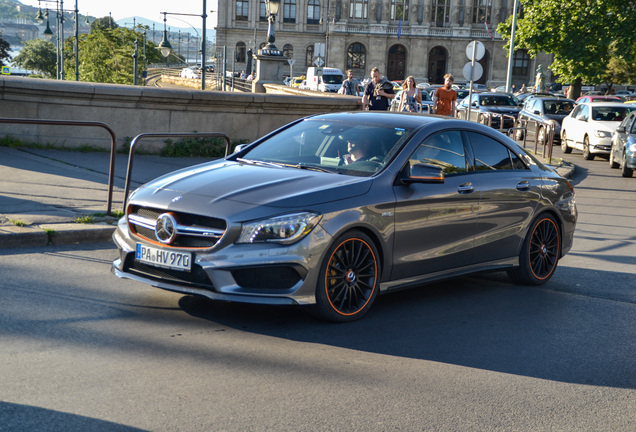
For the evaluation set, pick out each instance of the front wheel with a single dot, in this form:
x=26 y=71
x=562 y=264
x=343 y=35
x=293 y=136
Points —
x=586 y=149
x=612 y=162
x=564 y=144
x=540 y=252
x=349 y=278
x=626 y=172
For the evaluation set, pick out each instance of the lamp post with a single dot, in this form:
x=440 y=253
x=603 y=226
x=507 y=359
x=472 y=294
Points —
x=48 y=33
x=272 y=11
x=164 y=46
x=168 y=47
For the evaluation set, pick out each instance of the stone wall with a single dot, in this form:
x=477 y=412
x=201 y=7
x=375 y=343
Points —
x=130 y=111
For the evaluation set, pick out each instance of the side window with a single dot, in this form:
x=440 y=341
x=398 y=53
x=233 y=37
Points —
x=445 y=149
x=584 y=114
x=492 y=155
x=633 y=130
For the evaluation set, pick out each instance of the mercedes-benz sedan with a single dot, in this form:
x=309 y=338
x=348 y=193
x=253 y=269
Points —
x=331 y=210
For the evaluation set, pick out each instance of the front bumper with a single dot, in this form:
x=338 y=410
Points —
x=248 y=273
x=600 y=145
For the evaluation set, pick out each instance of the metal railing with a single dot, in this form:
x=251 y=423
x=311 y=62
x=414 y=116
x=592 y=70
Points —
x=548 y=136
x=133 y=144
x=113 y=144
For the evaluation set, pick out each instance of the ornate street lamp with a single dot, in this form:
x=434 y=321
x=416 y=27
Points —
x=272 y=11
x=164 y=45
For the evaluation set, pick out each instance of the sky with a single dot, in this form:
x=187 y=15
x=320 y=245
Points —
x=149 y=9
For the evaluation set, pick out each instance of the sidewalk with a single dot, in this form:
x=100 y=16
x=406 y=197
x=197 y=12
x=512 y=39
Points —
x=43 y=193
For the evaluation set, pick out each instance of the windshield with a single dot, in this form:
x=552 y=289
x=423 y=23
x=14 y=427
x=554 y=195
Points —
x=332 y=79
x=330 y=145
x=610 y=113
x=561 y=107
x=497 y=101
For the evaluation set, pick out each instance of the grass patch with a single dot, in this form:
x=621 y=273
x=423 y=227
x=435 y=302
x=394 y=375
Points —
x=17 y=222
x=194 y=147
x=51 y=234
x=88 y=219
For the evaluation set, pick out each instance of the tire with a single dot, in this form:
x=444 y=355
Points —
x=564 y=144
x=541 y=136
x=586 y=149
x=626 y=172
x=540 y=252
x=613 y=164
x=349 y=278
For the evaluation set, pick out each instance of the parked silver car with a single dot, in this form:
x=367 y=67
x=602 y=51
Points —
x=331 y=210
x=623 y=151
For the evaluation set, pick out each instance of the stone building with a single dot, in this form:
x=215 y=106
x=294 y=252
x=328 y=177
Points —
x=422 y=38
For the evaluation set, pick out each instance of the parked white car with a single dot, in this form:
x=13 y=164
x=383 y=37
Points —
x=590 y=126
x=191 y=72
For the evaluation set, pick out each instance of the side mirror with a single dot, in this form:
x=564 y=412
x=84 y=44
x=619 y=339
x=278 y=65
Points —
x=423 y=173
x=240 y=147
x=475 y=104
x=537 y=112
x=620 y=129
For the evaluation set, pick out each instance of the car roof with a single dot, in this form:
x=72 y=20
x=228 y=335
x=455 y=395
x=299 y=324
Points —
x=605 y=104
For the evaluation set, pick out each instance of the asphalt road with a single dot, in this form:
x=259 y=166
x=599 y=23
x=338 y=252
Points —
x=84 y=351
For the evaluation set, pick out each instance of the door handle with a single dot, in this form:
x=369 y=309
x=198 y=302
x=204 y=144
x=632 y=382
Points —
x=523 y=185
x=465 y=188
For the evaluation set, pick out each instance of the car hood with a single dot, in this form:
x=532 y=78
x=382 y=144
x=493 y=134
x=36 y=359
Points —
x=242 y=186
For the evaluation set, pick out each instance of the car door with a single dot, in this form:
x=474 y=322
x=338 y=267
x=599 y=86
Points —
x=578 y=128
x=435 y=222
x=509 y=192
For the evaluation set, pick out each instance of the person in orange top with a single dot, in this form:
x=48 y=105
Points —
x=445 y=99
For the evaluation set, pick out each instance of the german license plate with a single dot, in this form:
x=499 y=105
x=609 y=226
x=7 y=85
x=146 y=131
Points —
x=164 y=258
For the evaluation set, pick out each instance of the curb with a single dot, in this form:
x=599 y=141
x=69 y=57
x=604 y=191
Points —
x=53 y=234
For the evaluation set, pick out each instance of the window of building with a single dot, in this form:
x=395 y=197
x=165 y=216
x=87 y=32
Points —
x=240 y=52
x=400 y=10
x=262 y=11
x=242 y=7
x=288 y=51
x=440 y=12
x=358 y=9
x=289 y=11
x=520 y=63
x=313 y=12
x=482 y=11
x=309 y=56
x=356 y=56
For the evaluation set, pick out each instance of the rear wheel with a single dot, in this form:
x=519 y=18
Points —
x=349 y=278
x=564 y=144
x=626 y=172
x=540 y=252
x=586 y=149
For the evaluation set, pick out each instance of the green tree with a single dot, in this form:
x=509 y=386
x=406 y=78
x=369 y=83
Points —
x=583 y=35
x=106 y=55
x=39 y=55
x=4 y=50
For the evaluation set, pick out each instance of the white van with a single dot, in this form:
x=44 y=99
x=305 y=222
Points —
x=324 y=79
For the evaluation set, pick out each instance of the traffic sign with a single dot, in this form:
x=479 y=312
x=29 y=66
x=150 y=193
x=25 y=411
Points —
x=319 y=62
x=480 y=50
x=477 y=73
x=6 y=70
x=291 y=61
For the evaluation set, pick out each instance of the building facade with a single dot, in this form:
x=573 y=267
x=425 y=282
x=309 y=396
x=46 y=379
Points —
x=422 y=38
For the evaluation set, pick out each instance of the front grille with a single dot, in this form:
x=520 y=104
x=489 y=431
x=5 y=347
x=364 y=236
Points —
x=196 y=277
x=193 y=231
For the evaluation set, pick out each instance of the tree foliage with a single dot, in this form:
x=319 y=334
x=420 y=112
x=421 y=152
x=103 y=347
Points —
x=4 y=50
x=39 y=55
x=106 y=54
x=585 y=36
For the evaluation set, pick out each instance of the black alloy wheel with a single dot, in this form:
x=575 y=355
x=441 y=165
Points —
x=349 y=278
x=540 y=252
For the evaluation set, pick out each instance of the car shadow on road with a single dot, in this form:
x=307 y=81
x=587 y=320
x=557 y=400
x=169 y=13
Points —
x=19 y=417
x=480 y=322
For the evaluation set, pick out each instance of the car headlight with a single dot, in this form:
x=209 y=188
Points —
x=602 y=134
x=632 y=148
x=285 y=229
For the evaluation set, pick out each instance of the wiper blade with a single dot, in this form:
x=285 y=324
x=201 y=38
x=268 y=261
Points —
x=314 y=168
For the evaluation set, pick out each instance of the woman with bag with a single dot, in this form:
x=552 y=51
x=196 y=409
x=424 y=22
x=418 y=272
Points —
x=411 y=97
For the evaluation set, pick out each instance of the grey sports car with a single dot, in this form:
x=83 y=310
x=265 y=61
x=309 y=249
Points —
x=331 y=210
